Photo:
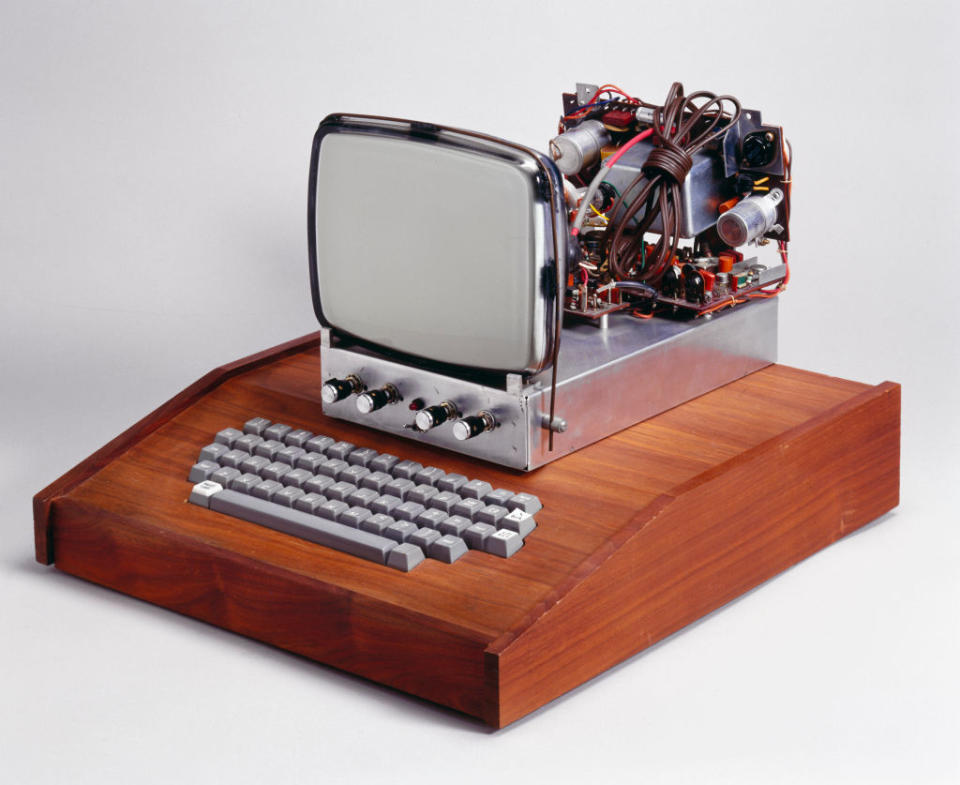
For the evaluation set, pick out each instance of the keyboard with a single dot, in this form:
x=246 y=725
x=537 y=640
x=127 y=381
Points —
x=375 y=506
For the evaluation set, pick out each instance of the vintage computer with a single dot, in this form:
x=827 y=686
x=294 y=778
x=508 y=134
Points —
x=455 y=456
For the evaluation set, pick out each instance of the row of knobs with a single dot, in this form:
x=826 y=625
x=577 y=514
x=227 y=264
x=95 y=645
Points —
x=429 y=417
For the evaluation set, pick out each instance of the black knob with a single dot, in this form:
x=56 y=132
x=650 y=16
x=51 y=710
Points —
x=338 y=389
x=372 y=400
x=433 y=416
x=468 y=427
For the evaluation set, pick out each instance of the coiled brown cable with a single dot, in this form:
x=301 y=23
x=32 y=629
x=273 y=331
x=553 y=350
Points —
x=658 y=186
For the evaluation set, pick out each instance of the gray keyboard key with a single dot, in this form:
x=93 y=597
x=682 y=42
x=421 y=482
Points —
x=332 y=508
x=311 y=461
x=255 y=464
x=340 y=450
x=354 y=473
x=383 y=462
x=526 y=502
x=202 y=470
x=340 y=491
x=212 y=452
x=468 y=508
x=401 y=531
x=445 y=500
x=289 y=455
x=421 y=493
x=399 y=487
x=429 y=475
x=476 y=535
x=275 y=470
x=266 y=489
x=309 y=502
x=297 y=438
x=404 y=557
x=519 y=521
x=301 y=524
x=363 y=497
x=248 y=442
x=452 y=482
x=431 y=518
x=503 y=543
x=447 y=549
x=406 y=469
x=276 y=432
x=498 y=497
x=377 y=523
x=492 y=514
x=318 y=484
x=455 y=525
x=224 y=474
x=245 y=483
x=297 y=477
x=268 y=449
x=377 y=481
x=318 y=444
x=287 y=496
x=256 y=426
x=408 y=511
x=233 y=458
x=362 y=456
x=423 y=537
x=354 y=516
x=332 y=467
x=228 y=436
x=475 y=489
x=202 y=492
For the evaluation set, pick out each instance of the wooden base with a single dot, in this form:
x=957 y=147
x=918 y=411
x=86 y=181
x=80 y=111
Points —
x=641 y=533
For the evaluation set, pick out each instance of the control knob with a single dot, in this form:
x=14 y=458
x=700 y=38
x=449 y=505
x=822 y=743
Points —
x=468 y=427
x=372 y=400
x=433 y=416
x=338 y=389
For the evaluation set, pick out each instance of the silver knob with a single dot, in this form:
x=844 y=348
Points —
x=372 y=400
x=468 y=427
x=432 y=416
x=338 y=389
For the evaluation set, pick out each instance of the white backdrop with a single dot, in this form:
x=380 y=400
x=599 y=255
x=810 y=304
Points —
x=153 y=161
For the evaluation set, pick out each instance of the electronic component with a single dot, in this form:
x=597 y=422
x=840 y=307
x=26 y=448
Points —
x=749 y=219
x=579 y=147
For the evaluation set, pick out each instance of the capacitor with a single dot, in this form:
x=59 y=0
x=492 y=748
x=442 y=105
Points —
x=576 y=149
x=670 y=284
x=749 y=219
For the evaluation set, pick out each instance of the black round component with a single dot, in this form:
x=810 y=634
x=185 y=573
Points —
x=468 y=427
x=671 y=282
x=605 y=197
x=759 y=149
x=432 y=416
x=694 y=289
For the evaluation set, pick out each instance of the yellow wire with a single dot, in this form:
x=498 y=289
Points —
x=762 y=180
x=605 y=219
x=761 y=188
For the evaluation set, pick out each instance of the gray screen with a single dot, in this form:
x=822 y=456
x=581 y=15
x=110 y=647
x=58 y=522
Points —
x=430 y=250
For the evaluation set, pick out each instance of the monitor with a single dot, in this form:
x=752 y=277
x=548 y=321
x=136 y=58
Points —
x=435 y=243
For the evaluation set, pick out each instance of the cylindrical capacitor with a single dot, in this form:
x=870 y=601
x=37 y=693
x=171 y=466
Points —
x=576 y=149
x=749 y=219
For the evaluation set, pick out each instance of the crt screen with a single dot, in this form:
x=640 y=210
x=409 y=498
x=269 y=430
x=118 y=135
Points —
x=428 y=250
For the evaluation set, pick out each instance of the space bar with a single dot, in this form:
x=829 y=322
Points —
x=301 y=524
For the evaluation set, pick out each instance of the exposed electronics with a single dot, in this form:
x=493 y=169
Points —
x=515 y=306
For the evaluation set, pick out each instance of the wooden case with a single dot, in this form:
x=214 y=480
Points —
x=641 y=533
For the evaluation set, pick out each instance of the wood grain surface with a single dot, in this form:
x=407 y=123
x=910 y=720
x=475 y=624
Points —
x=640 y=534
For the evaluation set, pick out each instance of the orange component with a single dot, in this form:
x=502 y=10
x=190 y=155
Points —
x=725 y=260
x=708 y=278
x=724 y=206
